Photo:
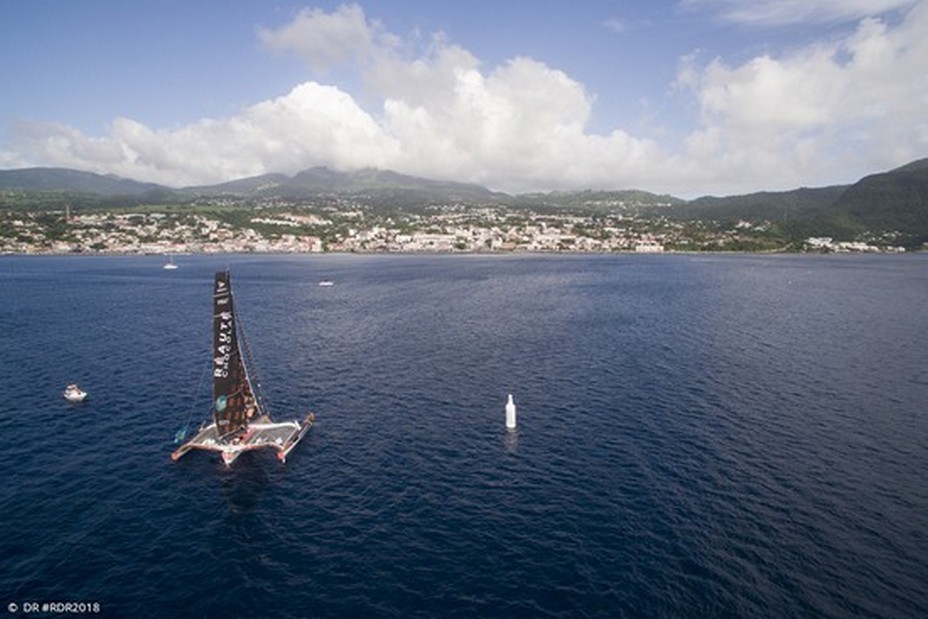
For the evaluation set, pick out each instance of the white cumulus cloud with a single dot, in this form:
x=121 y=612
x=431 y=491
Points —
x=822 y=113
x=312 y=125
x=855 y=104
x=325 y=40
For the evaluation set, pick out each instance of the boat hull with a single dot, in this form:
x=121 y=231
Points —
x=264 y=434
x=73 y=397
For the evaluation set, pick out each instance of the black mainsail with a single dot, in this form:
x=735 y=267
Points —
x=239 y=424
x=234 y=403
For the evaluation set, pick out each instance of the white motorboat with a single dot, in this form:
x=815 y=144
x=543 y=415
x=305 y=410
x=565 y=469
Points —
x=73 y=393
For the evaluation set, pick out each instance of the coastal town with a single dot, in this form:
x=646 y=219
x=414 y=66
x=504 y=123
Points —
x=443 y=229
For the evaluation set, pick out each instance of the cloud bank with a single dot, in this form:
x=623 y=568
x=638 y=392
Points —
x=856 y=103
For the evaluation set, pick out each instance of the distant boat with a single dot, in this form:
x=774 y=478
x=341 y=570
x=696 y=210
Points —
x=170 y=265
x=73 y=393
x=326 y=283
x=241 y=421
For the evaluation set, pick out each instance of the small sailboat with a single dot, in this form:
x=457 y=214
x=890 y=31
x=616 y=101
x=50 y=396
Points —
x=170 y=265
x=240 y=419
x=73 y=393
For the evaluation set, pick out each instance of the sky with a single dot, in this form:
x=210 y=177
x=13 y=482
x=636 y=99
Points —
x=681 y=97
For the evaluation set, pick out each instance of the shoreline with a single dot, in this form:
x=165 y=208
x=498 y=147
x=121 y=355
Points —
x=421 y=252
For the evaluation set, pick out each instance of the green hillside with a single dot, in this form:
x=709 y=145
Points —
x=894 y=202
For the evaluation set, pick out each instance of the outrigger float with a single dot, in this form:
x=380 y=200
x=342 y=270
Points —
x=240 y=421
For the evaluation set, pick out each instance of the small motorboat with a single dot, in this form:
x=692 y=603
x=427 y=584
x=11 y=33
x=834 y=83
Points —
x=73 y=393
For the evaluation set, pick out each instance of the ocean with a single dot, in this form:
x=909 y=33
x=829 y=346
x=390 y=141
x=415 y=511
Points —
x=698 y=436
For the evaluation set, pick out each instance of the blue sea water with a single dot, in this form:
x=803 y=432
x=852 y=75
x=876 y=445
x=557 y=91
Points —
x=699 y=436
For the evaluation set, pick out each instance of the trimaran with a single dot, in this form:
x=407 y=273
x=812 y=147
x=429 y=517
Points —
x=240 y=421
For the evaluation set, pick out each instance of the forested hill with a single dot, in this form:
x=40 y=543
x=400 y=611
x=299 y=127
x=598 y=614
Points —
x=894 y=200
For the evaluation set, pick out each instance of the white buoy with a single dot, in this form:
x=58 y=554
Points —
x=510 y=413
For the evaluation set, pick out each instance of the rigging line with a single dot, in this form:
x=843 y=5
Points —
x=182 y=431
x=245 y=348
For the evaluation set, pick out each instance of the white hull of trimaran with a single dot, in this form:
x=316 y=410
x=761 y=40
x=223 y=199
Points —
x=280 y=436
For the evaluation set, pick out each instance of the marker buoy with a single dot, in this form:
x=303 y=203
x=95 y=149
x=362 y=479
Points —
x=510 y=413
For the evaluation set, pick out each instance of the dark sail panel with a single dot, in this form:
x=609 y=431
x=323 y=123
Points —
x=233 y=400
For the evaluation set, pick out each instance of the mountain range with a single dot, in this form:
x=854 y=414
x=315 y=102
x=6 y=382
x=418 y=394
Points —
x=304 y=185
x=889 y=202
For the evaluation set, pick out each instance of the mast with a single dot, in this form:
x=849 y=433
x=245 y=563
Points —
x=234 y=403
